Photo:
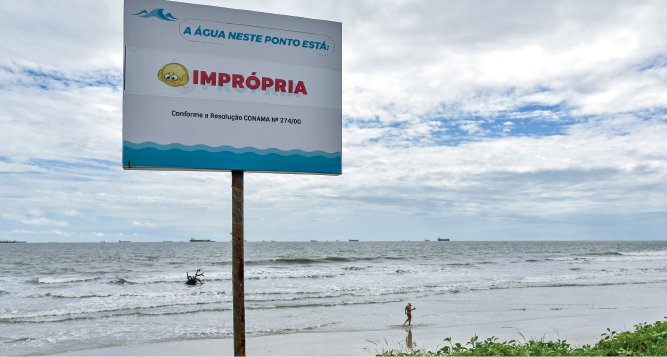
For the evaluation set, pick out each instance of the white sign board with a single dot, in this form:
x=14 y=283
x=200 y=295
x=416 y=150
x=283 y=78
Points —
x=210 y=88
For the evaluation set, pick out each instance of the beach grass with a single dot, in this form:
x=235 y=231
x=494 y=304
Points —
x=645 y=340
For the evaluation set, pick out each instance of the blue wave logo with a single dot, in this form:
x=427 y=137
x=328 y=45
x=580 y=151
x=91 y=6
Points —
x=159 y=13
x=150 y=154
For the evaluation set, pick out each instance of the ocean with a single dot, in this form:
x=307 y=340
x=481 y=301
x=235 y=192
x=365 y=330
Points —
x=75 y=296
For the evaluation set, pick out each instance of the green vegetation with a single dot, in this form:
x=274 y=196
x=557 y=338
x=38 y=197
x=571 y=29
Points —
x=645 y=340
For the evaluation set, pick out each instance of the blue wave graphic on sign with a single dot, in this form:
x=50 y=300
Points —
x=180 y=156
x=159 y=13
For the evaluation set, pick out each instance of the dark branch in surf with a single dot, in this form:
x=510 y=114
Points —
x=194 y=280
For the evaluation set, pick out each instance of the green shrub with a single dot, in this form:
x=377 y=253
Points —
x=645 y=340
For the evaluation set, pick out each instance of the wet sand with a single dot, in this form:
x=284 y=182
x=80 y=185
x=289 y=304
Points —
x=577 y=330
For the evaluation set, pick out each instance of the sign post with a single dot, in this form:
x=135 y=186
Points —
x=215 y=89
x=237 y=263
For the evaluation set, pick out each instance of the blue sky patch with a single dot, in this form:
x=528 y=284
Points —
x=54 y=79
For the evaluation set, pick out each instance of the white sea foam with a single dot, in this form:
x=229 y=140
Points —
x=647 y=253
x=258 y=274
x=106 y=308
x=69 y=294
x=617 y=259
x=64 y=294
x=52 y=280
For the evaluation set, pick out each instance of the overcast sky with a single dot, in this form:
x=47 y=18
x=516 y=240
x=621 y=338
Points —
x=471 y=120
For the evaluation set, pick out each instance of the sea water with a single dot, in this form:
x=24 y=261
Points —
x=64 y=297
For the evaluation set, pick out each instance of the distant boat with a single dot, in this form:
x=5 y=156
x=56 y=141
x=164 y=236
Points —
x=123 y=241
x=313 y=240
x=264 y=241
x=12 y=241
x=443 y=239
x=103 y=241
x=200 y=240
x=167 y=241
x=273 y=240
x=428 y=240
x=354 y=240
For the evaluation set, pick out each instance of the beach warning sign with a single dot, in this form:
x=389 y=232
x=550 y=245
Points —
x=211 y=88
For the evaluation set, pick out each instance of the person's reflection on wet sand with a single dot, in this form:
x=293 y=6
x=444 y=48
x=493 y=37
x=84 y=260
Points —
x=408 y=339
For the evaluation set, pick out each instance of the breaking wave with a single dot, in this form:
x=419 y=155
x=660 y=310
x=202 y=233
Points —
x=50 y=280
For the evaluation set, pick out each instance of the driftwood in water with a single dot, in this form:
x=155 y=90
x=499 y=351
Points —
x=194 y=280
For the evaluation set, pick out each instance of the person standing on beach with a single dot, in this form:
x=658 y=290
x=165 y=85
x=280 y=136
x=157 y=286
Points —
x=408 y=311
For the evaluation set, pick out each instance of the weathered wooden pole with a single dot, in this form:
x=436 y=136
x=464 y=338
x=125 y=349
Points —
x=237 y=263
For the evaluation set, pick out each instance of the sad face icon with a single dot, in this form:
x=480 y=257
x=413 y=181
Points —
x=174 y=74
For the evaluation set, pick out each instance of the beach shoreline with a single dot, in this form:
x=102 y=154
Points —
x=577 y=330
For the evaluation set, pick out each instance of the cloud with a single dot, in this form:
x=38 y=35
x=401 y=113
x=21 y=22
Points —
x=484 y=120
x=69 y=129
x=145 y=224
x=32 y=75
x=13 y=216
x=41 y=221
x=36 y=212
x=64 y=234
x=6 y=167
x=22 y=231
x=47 y=29
x=70 y=213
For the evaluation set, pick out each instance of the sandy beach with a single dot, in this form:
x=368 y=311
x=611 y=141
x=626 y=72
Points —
x=582 y=329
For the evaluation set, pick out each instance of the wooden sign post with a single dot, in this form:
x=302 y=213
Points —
x=237 y=263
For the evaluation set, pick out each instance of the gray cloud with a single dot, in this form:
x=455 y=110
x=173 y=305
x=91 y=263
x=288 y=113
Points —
x=428 y=88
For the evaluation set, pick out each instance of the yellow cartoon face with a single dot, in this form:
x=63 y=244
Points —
x=174 y=74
